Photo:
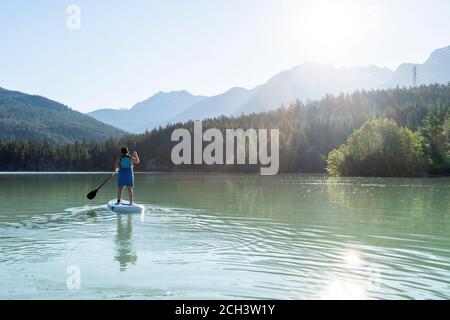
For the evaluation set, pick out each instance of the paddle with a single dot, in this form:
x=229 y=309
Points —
x=91 y=195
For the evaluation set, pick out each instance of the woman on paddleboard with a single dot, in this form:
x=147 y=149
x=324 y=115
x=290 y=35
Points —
x=124 y=166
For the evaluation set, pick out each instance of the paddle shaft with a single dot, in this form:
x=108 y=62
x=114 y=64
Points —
x=106 y=181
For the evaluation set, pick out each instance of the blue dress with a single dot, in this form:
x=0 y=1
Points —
x=126 y=176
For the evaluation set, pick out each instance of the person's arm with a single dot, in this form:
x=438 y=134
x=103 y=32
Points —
x=135 y=158
x=117 y=163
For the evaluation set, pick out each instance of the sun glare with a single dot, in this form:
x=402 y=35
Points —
x=352 y=259
x=338 y=24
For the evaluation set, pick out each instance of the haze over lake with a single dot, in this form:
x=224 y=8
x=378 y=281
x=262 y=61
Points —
x=226 y=236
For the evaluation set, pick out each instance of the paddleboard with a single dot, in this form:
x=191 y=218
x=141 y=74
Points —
x=124 y=207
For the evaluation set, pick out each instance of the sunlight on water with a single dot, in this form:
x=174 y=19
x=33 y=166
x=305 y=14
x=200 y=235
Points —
x=227 y=236
x=341 y=290
x=347 y=287
x=352 y=259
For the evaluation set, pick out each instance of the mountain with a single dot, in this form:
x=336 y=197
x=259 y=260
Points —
x=149 y=113
x=307 y=81
x=312 y=81
x=435 y=70
x=223 y=104
x=24 y=116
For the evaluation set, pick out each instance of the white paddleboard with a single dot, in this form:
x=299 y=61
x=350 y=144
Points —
x=124 y=207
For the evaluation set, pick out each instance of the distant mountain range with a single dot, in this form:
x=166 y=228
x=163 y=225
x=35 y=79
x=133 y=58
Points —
x=24 y=116
x=308 y=80
x=312 y=81
x=149 y=113
x=227 y=104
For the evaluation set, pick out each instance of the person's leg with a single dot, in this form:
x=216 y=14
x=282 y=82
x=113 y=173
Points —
x=130 y=195
x=119 y=194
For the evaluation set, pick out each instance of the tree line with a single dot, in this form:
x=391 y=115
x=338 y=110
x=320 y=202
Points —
x=407 y=129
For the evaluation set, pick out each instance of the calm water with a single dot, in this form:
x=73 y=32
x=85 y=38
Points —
x=227 y=236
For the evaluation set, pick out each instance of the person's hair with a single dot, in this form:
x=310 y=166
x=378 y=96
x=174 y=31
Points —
x=124 y=150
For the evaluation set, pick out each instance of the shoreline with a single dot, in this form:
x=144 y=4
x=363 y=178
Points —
x=4 y=173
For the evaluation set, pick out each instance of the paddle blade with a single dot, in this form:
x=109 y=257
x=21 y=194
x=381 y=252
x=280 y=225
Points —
x=91 y=195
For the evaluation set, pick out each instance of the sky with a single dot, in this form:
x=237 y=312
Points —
x=125 y=51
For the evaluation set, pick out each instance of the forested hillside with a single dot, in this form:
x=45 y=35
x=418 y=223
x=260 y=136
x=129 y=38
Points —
x=308 y=133
x=29 y=117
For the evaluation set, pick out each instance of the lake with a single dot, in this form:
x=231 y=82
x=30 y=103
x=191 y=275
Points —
x=217 y=236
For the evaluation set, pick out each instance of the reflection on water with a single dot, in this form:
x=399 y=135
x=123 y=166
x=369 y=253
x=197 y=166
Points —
x=124 y=244
x=347 y=286
x=227 y=236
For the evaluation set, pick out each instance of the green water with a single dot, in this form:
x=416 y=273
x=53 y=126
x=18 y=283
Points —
x=226 y=236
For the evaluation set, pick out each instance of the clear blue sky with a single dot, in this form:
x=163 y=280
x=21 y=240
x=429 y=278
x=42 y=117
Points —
x=128 y=50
